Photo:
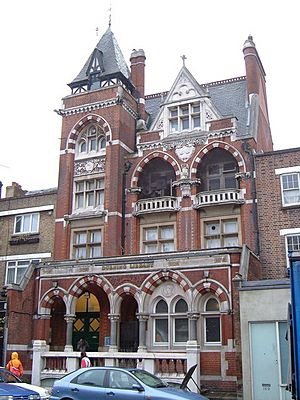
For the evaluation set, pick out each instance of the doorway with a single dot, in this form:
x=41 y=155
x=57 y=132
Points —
x=129 y=325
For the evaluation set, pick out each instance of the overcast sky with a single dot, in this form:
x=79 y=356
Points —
x=45 y=43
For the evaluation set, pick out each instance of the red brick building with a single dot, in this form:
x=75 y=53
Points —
x=156 y=217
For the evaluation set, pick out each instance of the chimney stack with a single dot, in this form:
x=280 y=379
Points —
x=137 y=60
x=15 y=190
x=255 y=72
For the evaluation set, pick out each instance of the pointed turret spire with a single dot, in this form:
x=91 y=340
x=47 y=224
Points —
x=106 y=63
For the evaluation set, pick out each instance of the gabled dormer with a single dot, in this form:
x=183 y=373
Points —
x=105 y=66
x=187 y=108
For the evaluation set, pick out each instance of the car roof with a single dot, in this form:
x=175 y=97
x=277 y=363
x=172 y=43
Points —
x=6 y=389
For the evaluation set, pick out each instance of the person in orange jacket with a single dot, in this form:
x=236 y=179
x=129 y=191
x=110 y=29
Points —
x=14 y=365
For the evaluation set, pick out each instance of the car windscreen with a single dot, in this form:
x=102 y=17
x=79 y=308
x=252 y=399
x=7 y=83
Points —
x=148 y=379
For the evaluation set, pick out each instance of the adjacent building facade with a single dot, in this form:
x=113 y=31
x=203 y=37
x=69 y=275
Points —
x=159 y=219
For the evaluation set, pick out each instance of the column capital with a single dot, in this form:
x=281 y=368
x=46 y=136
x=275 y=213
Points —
x=114 y=317
x=69 y=318
x=142 y=316
x=193 y=315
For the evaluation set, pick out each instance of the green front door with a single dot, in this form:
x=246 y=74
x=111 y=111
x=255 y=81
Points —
x=86 y=325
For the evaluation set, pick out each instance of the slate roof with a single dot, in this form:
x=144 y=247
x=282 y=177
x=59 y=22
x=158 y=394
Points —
x=113 y=59
x=229 y=96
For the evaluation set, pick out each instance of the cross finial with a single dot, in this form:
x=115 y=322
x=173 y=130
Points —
x=183 y=59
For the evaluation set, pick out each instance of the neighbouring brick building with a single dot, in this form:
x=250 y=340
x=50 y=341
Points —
x=27 y=235
x=156 y=222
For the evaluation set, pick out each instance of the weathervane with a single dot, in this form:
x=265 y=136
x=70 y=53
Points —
x=183 y=59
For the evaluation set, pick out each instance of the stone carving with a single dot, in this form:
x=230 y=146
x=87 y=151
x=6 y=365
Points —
x=167 y=290
x=185 y=152
x=91 y=166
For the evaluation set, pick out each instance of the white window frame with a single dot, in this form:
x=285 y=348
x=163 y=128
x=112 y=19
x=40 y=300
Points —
x=170 y=316
x=221 y=235
x=22 y=232
x=97 y=191
x=180 y=116
x=282 y=176
x=17 y=262
x=211 y=314
x=88 y=245
x=159 y=242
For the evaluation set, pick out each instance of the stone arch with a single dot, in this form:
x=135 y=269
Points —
x=221 y=145
x=86 y=120
x=211 y=286
x=125 y=290
x=155 y=154
x=48 y=299
x=157 y=278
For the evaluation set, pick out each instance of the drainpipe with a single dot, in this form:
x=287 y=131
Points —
x=127 y=167
x=247 y=148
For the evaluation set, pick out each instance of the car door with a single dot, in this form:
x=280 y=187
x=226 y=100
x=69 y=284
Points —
x=88 y=385
x=120 y=386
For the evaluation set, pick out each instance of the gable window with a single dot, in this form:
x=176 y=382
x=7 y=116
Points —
x=184 y=117
x=212 y=323
x=27 y=223
x=158 y=238
x=15 y=270
x=89 y=193
x=221 y=233
x=170 y=322
x=87 y=244
x=290 y=186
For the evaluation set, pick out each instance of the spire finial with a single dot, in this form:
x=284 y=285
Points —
x=183 y=59
x=97 y=30
x=109 y=17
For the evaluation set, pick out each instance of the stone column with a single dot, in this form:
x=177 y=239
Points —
x=114 y=329
x=69 y=334
x=193 y=318
x=143 y=318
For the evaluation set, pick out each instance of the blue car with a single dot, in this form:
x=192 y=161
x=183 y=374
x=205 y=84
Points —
x=116 y=383
x=12 y=392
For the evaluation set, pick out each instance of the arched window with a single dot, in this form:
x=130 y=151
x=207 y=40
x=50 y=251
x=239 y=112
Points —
x=91 y=141
x=212 y=322
x=170 y=323
x=181 y=327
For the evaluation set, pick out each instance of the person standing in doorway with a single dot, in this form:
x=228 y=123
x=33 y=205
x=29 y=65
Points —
x=82 y=345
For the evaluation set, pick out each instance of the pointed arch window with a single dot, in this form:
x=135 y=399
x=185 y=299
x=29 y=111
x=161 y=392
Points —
x=171 y=323
x=212 y=322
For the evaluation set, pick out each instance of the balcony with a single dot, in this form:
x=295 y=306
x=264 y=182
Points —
x=156 y=204
x=219 y=197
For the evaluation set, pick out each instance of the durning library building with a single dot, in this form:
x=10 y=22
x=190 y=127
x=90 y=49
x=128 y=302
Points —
x=165 y=243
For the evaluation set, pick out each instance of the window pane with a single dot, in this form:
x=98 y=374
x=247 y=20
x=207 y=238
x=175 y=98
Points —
x=167 y=232
x=196 y=122
x=196 y=108
x=291 y=196
x=95 y=251
x=230 y=227
x=80 y=252
x=79 y=186
x=290 y=181
x=181 y=330
x=95 y=236
x=151 y=248
x=185 y=123
x=79 y=200
x=121 y=380
x=213 y=228
x=230 y=182
x=26 y=223
x=161 y=330
x=10 y=275
x=151 y=234
x=181 y=306
x=20 y=273
x=82 y=147
x=213 y=243
x=231 y=241
x=93 y=144
x=90 y=199
x=167 y=246
x=18 y=224
x=214 y=184
x=81 y=238
x=161 y=307
x=173 y=125
x=212 y=331
x=184 y=110
x=293 y=243
x=34 y=223
x=212 y=305
x=214 y=169
x=173 y=112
